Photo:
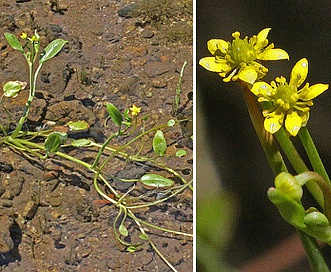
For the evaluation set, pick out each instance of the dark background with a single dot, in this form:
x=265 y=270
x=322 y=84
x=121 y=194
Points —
x=303 y=29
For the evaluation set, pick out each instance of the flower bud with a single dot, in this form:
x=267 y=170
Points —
x=316 y=219
x=286 y=184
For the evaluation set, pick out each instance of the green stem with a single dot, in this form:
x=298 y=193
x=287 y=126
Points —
x=97 y=159
x=33 y=79
x=290 y=151
x=131 y=215
x=267 y=141
x=151 y=243
x=312 y=153
x=117 y=151
x=298 y=164
x=315 y=257
x=307 y=177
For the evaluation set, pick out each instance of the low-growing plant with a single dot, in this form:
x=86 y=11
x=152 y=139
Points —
x=49 y=144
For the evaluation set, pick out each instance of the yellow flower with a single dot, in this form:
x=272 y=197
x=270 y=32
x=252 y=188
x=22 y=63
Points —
x=287 y=101
x=24 y=36
x=34 y=39
x=239 y=59
x=135 y=110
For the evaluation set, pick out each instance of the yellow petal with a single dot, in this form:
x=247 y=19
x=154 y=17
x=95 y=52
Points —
x=261 y=88
x=273 y=54
x=273 y=122
x=210 y=64
x=304 y=118
x=313 y=91
x=293 y=123
x=247 y=74
x=229 y=77
x=299 y=73
x=217 y=44
x=261 y=37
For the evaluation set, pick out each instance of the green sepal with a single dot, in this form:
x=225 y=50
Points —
x=292 y=211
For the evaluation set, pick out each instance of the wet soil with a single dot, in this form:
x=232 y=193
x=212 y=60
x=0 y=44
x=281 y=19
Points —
x=123 y=52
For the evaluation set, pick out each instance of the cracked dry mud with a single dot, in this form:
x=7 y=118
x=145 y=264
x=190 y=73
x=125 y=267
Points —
x=51 y=217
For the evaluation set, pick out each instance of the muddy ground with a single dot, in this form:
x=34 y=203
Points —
x=122 y=52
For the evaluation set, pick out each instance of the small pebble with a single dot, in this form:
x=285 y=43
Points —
x=55 y=201
x=56 y=213
x=159 y=83
x=147 y=34
x=30 y=209
x=6 y=203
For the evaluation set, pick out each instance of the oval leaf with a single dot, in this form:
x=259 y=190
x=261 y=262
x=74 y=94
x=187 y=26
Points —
x=81 y=142
x=54 y=140
x=132 y=249
x=180 y=153
x=143 y=237
x=51 y=50
x=78 y=126
x=12 y=88
x=14 y=42
x=155 y=180
x=159 y=143
x=123 y=230
x=171 y=123
x=115 y=114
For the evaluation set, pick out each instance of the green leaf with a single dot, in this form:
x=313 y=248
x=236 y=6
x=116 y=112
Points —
x=155 y=180
x=132 y=248
x=123 y=230
x=143 y=237
x=51 y=50
x=159 y=143
x=54 y=140
x=12 y=88
x=115 y=114
x=14 y=42
x=171 y=123
x=78 y=126
x=180 y=153
x=81 y=142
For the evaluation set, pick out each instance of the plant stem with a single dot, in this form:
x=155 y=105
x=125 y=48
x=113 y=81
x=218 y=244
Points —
x=96 y=161
x=33 y=79
x=267 y=141
x=315 y=257
x=298 y=164
x=128 y=143
x=312 y=153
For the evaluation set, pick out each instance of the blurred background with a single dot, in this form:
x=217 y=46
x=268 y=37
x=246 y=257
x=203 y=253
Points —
x=236 y=223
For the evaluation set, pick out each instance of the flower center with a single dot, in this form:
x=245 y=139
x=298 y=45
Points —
x=242 y=51
x=286 y=96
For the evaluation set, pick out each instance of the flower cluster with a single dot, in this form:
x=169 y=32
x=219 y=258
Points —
x=240 y=59
x=288 y=102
